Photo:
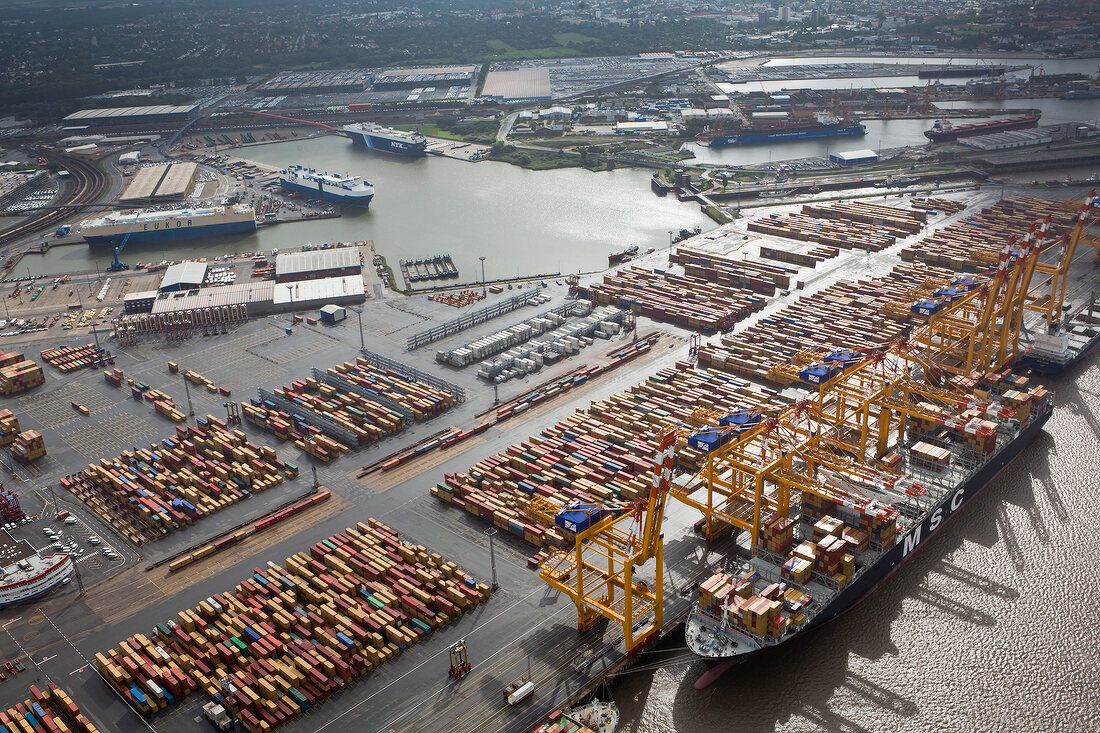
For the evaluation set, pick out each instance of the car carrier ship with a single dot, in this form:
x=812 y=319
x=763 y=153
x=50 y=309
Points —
x=331 y=187
x=168 y=225
x=386 y=139
x=782 y=128
x=27 y=574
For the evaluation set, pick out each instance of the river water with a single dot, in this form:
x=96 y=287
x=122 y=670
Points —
x=992 y=626
x=523 y=222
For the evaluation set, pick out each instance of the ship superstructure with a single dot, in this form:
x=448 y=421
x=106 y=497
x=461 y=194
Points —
x=26 y=573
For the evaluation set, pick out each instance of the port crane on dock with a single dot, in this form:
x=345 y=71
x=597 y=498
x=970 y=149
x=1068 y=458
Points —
x=610 y=545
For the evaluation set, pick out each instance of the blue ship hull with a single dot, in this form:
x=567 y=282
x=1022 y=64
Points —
x=1044 y=366
x=757 y=138
x=331 y=196
x=375 y=142
x=173 y=234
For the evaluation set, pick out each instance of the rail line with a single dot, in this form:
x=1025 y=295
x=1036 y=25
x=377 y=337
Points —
x=90 y=183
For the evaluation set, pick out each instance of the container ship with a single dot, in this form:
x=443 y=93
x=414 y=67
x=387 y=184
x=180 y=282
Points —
x=168 y=225
x=1072 y=341
x=331 y=187
x=944 y=131
x=771 y=127
x=624 y=256
x=386 y=139
x=849 y=528
x=28 y=574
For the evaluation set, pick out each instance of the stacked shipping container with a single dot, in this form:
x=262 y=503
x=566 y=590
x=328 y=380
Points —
x=49 y=710
x=289 y=637
x=600 y=454
x=198 y=471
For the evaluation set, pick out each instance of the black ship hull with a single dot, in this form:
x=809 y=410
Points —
x=914 y=537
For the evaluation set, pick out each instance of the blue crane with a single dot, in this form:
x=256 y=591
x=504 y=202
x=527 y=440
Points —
x=117 y=264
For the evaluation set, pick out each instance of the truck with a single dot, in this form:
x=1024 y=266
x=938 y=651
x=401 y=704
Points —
x=518 y=691
x=217 y=716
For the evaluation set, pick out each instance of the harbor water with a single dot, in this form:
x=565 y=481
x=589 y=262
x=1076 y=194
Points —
x=523 y=222
x=993 y=622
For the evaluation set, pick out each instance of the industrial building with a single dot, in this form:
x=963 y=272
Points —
x=645 y=127
x=177 y=181
x=141 y=302
x=520 y=85
x=111 y=116
x=183 y=276
x=854 y=157
x=256 y=295
x=1008 y=140
x=314 y=82
x=305 y=294
x=320 y=263
x=436 y=76
x=161 y=182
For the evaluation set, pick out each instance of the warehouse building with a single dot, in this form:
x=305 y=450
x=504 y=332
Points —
x=183 y=276
x=144 y=183
x=645 y=127
x=256 y=295
x=307 y=294
x=141 y=302
x=177 y=181
x=434 y=76
x=521 y=85
x=320 y=263
x=112 y=116
x=314 y=82
x=854 y=157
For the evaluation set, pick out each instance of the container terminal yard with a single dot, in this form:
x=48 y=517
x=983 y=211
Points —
x=300 y=516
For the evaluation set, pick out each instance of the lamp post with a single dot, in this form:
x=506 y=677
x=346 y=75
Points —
x=359 y=312
x=484 y=285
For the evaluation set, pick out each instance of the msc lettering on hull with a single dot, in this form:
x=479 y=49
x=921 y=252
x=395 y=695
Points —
x=932 y=523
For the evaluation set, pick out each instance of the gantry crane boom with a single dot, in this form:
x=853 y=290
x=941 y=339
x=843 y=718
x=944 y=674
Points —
x=598 y=571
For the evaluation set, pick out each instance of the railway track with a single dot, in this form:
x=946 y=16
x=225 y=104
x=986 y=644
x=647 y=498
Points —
x=89 y=184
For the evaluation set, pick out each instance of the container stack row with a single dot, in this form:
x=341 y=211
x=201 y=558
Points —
x=846 y=315
x=19 y=374
x=829 y=232
x=423 y=400
x=196 y=472
x=510 y=337
x=716 y=268
x=601 y=454
x=552 y=346
x=369 y=420
x=290 y=636
x=28 y=447
x=295 y=428
x=808 y=258
x=51 y=710
x=899 y=222
x=947 y=206
x=689 y=302
x=68 y=359
x=974 y=243
x=9 y=427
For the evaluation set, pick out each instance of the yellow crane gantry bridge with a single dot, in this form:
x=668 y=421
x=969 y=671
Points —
x=828 y=445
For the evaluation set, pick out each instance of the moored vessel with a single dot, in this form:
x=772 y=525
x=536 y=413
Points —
x=331 y=187
x=946 y=131
x=167 y=225
x=783 y=128
x=622 y=256
x=27 y=574
x=386 y=139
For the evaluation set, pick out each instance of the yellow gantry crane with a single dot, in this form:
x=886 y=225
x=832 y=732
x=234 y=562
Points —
x=1057 y=273
x=598 y=572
